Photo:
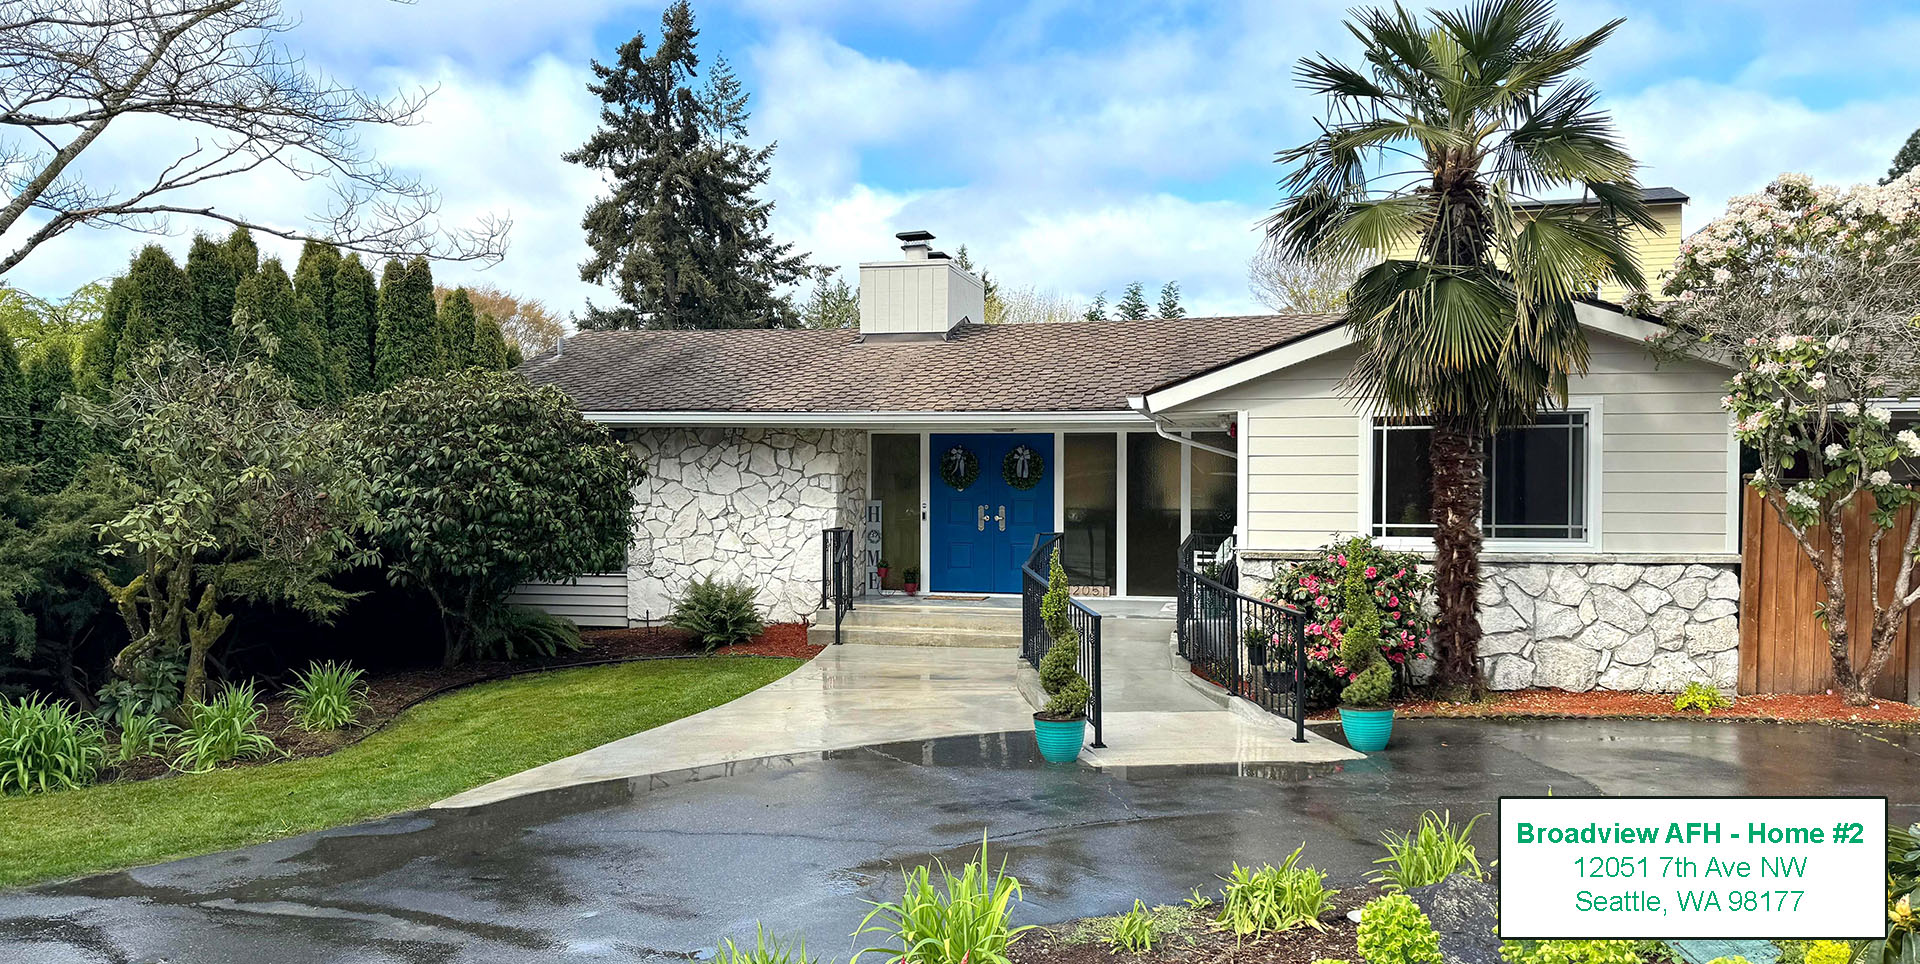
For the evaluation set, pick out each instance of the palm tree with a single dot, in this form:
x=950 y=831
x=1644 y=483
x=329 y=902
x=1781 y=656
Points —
x=1473 y=326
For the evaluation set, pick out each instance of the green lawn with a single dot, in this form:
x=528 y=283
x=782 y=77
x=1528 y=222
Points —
x=437 y=749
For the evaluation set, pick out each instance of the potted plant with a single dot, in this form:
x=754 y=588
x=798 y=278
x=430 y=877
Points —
x=1060 y=728
x=911 y=577
x=1365 y=716
x=881 y=568
x=1212 y=603
x=1257 y=638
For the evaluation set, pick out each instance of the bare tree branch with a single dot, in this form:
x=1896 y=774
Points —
x=71 y=68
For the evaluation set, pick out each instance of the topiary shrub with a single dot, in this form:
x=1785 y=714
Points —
x=1068 y=693
x=718 y=613
x=1371 y=678
x=1393 y=930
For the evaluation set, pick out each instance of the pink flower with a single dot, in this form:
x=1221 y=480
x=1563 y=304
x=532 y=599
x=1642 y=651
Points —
x=1373 y=571
x=1342 y=559
x=1419 y=656
x=1402 y=574
x=1321 y=602
x=1393 y=601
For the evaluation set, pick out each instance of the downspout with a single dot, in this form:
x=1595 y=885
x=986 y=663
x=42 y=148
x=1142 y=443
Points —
x=1139 y=405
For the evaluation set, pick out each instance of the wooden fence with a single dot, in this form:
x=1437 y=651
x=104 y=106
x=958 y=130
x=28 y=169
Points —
x=1783 y=648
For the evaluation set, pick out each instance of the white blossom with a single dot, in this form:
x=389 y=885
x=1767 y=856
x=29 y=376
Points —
x=1882 y=477
x=1834 y=450
x=1910 y=441
x=1880 y=413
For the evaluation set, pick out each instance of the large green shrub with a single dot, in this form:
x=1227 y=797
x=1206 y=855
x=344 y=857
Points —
x=47 y=745
x=1068 y=693
x=718 y=613
x=483 y=482
x=1370 y=678
x=1393 y=930
x=514 y=631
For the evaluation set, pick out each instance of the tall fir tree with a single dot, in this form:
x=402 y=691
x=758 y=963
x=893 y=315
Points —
x=489 y=344
x=408 y=338
x=350 y=339
x=243 y=251
x=313 y=279
x=152 y=302
x=268 y=305
x=214 y=275
x=457 y=331
x=1169 y=306
x=1097 y=308
x=16 y=429
x=1133 y=304
x=681 y=239
x=61 y=442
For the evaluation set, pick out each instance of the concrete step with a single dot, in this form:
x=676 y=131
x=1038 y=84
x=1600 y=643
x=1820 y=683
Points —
x=891 y=636
x=959 y=618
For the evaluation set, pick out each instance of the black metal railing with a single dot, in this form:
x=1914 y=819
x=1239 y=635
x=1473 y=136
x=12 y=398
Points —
x=1252 y=648
x=1034 y=638
x=1202 y=552
x=836 y=574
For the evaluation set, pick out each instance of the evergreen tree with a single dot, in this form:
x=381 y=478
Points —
x=1097 y=310
x=681 y=238
x=151 y=302
x=1133 y=304
x=408 y=336
x=515 y=357
x=1906 y=159
x=242 y=250
x=61 y=442
x=313 y=280
x=833 y=304
x=267 y=307
x=489 y=345
x=456 y=331
x=16 y=433
x=993 y=309
x=350 y=338
x=214 y=276
x=1170 y=301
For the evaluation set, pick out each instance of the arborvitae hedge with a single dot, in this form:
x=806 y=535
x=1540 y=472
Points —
x=408 y=340
x=269 y=300
x=351 y=337
x=457 y=331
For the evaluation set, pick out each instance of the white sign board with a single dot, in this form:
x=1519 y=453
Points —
x=1693 y=867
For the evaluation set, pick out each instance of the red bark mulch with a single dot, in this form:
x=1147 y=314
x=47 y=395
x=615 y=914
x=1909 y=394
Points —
x=787 y=640
x=1600 y=704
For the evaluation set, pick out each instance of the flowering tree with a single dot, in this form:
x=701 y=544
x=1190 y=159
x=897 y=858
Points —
x=1817 y=290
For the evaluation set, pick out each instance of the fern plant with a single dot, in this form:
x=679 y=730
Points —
x=718 y=613
x=223 y=729
x=48 y=745
x=512 y=632
x=327 y=696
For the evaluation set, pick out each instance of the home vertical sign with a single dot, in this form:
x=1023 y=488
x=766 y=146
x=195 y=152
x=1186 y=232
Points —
x=870 y=544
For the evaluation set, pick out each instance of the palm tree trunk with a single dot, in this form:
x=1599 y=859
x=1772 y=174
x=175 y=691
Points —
x=1455 y=451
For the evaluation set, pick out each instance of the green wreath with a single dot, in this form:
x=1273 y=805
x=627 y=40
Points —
x=959 y=467
x=1035 y=464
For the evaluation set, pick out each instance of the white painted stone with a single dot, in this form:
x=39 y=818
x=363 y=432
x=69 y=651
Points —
x=1491 y=592
x=1500 y=619
x=1714 y=609
x=1551 y=621
x=1688 y=592
x=1499 y=644
x=1669 y=673
x=1636 y=649
x=1531 y=580
x=1601 y=637
x=1566 y=587
x=1507 y=672
x=1621 y=676
x=1617 y=576
x=1717 y=636
x=1616 y=607
x=1565 y=665
x=1724 y=586
x=1649 y=598
x=1660 y=577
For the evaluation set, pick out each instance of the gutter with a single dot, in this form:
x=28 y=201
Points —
x=1139 y=405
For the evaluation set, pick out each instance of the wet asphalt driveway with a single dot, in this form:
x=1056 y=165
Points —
x=662 y=868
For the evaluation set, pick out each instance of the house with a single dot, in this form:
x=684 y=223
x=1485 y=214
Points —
x=1612 y=528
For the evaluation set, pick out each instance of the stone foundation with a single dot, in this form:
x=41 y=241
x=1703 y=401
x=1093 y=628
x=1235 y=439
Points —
x=741 y=504
x=1577 y=626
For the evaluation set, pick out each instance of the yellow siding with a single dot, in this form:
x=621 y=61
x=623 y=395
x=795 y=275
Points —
x=1656 y=250
x=1663 y=463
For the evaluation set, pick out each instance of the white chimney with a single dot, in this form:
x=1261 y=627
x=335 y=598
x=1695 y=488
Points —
x=922 y=296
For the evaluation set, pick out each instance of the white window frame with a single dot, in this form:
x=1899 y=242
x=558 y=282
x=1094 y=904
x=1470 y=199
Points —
x=1592 y=405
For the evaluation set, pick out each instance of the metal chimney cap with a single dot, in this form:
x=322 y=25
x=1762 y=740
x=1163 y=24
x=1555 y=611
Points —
x=912 y=236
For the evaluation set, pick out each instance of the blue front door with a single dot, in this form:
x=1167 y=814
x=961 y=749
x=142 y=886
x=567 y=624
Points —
x=983 y=529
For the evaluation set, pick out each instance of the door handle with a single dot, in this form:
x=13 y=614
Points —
x=1002 y=518
x=980 y=519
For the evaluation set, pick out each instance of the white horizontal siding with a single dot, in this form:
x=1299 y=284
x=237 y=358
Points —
x=594 y=600
x=1664 y=471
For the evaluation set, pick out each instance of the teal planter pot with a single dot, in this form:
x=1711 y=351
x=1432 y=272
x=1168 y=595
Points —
x=1367 y=729
x=1060 y=740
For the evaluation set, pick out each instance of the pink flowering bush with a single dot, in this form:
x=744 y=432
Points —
x=1401 y=592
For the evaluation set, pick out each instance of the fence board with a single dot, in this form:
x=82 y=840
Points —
x=1783 y=647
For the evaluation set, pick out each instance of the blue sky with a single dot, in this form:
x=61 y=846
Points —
x=1073 y=146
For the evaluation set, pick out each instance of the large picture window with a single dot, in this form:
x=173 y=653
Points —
x=1536 y=480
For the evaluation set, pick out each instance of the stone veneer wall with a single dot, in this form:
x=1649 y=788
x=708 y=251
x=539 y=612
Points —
x=741 y=503
x=1617 y=626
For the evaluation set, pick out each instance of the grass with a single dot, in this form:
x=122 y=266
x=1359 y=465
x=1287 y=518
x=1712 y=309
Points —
x=439 y=748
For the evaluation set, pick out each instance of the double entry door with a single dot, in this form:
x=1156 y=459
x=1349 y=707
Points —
x=988 y=496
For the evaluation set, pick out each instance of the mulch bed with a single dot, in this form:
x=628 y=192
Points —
x=391 y=694
x=1559 y=704
x=1201 y=944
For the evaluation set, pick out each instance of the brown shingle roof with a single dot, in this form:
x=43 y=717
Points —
x=1067 y=367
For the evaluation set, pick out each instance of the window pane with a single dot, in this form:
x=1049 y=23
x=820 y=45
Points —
x=1092 y=527
x=1153 y=513
x=1216 y=485
x=1403 y=480
x=896 y=483
x=1536 y=480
